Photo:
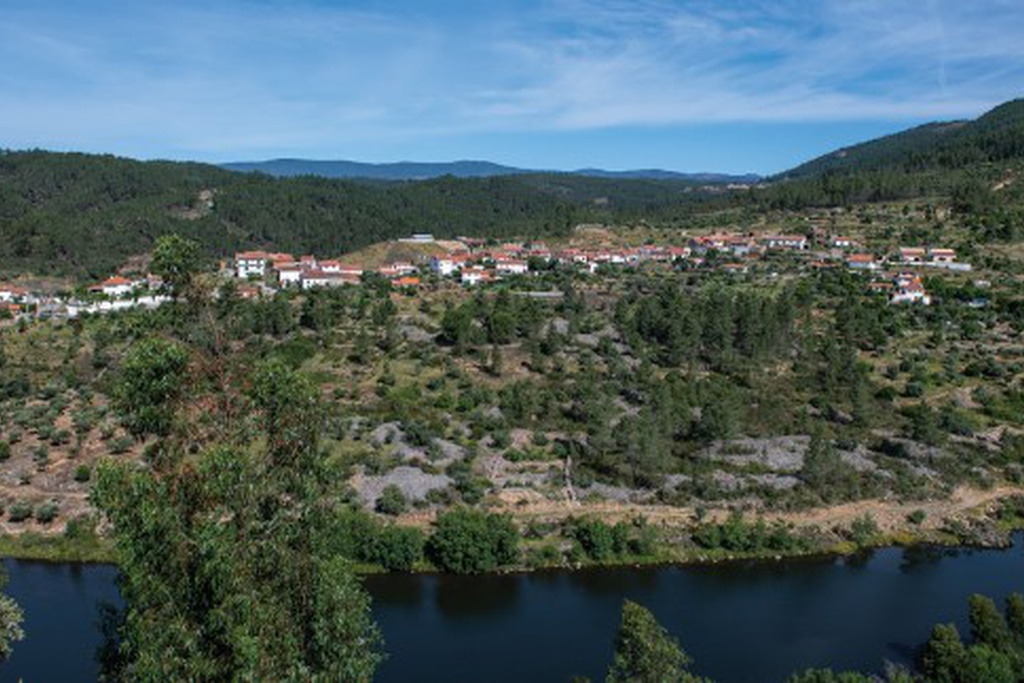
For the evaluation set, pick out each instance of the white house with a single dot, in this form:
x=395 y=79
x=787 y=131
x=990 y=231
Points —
x=397 y=269
x=474 y=276
x=909 y=289
x=511 y=267
x=330 y=266
x=116 y=287
x=912 y=254
x=288 y=273
x=12 y=294
x=784 y=241
x=442 y=265
x=317 y=278
x=862 y=262
x=250 y=263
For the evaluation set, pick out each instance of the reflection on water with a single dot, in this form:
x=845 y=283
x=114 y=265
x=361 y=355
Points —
x=488 y=596
x=749 y=621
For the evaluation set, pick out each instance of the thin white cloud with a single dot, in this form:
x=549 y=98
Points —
x=250 y=77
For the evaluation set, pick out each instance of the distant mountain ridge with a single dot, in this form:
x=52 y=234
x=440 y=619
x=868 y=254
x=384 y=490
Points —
x=412 y=170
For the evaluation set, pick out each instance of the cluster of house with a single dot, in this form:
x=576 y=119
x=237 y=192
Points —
x=308 y=272
x=118 y=287
x=902 y=288
x=119 y=293
x=12 y=298
x=933 y=257
x=906 y=286
x=475 y=263
x=745 y=245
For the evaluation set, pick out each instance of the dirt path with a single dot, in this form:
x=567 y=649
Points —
x=888 y=514
x=891 y=515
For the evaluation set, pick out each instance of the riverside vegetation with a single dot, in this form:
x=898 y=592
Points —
x=250 y=455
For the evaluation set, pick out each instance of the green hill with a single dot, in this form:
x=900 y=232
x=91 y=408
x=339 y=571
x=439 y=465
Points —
x=995 y=136
x=82 y=215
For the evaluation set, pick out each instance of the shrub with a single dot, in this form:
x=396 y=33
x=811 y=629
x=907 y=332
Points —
x=41 y=455
x=5 y=450
x=19 y=511
x=863 y=529
x=47 y=512
x=120 y=445
x=398 y=548
x=913 y=390
x=392 y=501
x=471 y=541
x=917 y=517
x=60 y=437
x=82 y=473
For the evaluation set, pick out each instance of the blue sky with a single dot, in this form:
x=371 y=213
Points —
x=706 y=85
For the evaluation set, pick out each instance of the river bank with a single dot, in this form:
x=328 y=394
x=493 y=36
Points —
x=740 y=621
x=970 y=518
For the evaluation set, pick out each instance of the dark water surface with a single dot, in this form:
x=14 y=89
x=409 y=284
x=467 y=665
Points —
x=740 y=621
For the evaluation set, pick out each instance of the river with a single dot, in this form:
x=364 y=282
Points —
x=746 y=621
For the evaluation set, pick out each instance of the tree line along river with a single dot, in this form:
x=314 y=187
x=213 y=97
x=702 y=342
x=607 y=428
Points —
x=742 y=621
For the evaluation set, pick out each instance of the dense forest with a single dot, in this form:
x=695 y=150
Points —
x=83 y=215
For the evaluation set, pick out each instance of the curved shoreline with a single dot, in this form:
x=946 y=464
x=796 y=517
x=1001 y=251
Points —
x=967 y=504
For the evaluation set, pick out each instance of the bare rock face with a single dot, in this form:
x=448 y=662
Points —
x=779 y=454
x=414 y=483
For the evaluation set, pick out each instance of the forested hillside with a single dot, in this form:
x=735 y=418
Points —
x=995 y=136
x=83 y=215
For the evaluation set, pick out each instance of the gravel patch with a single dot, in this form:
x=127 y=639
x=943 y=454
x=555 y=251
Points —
x=780 y=454
x=415 y=333
x=449 y=450
x=389 y=432
x=859 y=459
x=560 y=325
x=920 y=451
x=413 y=482
x=727 y=481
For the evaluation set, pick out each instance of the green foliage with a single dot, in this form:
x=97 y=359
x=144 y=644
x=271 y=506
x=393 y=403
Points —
x=602 y=542
x=863 y=530
x=397 y=548
x=11 y=618
x=996 y=652
x=151 y=380
x=392 y=501
x=19 y=511
x=645 y=652
x=470 y=541
x=175 y=259
x=5 y=450
x=47 y=512
x=738 y=535
x=827 y=474
x=944 y=657
x=358 y=536
x=227 y=572
x=86 y=214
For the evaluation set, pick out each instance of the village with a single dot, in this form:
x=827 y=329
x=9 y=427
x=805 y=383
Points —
x=474 y=261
